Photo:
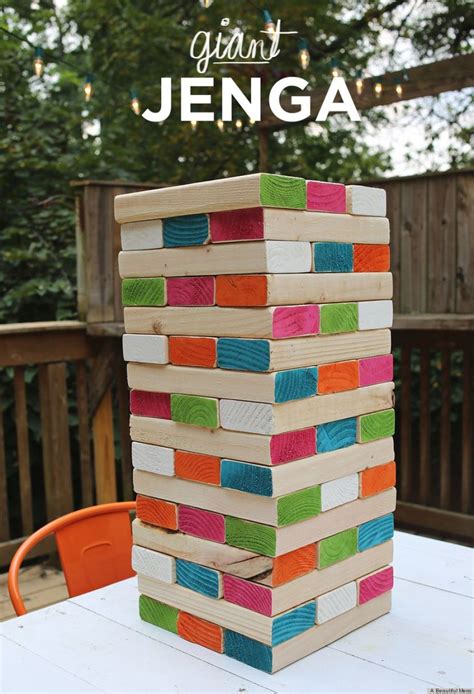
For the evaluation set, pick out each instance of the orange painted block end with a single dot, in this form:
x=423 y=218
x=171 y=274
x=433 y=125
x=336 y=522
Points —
x=376 y=479
x=241 y=290
x=333 y=378
x=200 y=631
x=371 y=257
x=157 y=512
x=193 y=351
x=288 y=566
x=197 y=467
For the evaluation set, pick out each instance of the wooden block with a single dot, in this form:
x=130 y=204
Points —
x=333 y=257
x=325 y=197
x=158 y=613
x=198 y=467
x=201 y=631
x=376 y=425
x=193 y=351
x=291 y=445
x=265 y=418
x=375 y=315
x=266 y=355
x=333 y=436
x=282 y=191
x=199 y=578
x=366 y=200
x=297 y=225
x=287 y=567
x=157 y=512
x=193 y=521
x=153 y=564
x=299 y=506
x=339 y=491
x=218 y=259
x=337 y=547
x=295 y=384
x=148 y=349
x=305 y=288
x=339 y=318
x=148 y=404
x=342 y=375
x=375 y=584
x=376 y=479
x=198 y=411
x=290 y=321
x=245 y=477
x=288 y=625
x=139 y=236
x=251 y=536
x=248 y=651
x=190 y=291
x=374 y=532
x=189 y=230
x=147 y=291
x=247 y=594
x=336 y=602
x=156 y=459
x=376 y=370
x=370 y=257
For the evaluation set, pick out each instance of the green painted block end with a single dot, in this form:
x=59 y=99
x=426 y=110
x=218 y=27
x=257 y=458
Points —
x=337 y=547
x=146 y=291
x=377 y=425
x=195 y=410
x=299 y=506
x=282 y=191
x=158 y=613
x=254 y=537
x=339 y=318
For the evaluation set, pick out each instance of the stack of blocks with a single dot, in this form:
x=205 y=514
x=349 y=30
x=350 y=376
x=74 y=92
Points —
x=257 y=316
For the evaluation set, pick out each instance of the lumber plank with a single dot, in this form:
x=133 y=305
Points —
x=375 y=531
x=337 y=377
x=374 y=584
x=199 y=578
x=200 y=523
x=376 y=370
x=200 y=631
x=374 y=315
x=147 y=349
x=339 y=491
x=336 y=602
x=188 y=230
x=290 y=566
x=333 y=436
x=371 y=258
x=190 y=291
x=144 y=291
x=325 y=197
x=336 y=548
x=365 y=200
x=339 y=318
x=193 y=351
x=376 y=479
x=153 y=564
x=156 y=459
x=198 y=467
x=148 y=404
x=159 y=614
x=157 y=512
x=376 y=425
x=140 y=236
x=333 y=258
x=195 y=410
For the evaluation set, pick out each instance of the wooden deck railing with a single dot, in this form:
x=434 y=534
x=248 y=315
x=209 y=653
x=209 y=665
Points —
x=64 y=440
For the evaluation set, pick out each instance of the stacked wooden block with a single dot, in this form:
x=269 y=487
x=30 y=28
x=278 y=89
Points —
x=257 y=316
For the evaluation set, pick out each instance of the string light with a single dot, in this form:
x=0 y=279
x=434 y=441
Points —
x=359 y=82
x=378 y=89
x=269 y=24
x=38 y=62
x=303 y=53
x=220 y=124
x=335 y=72
x=398 y=88
x=251 y=121
x=238 y=124
x=206 y=3
x=194 y=125
x=134 y=102
x=88 y=89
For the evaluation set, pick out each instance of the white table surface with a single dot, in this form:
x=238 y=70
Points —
x=97 y=642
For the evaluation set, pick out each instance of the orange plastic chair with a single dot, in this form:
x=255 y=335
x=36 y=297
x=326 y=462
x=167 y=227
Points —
x=94 y=545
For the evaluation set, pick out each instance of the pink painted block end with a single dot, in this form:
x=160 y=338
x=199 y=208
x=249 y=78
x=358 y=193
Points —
x=293 y=321
x=376 y=370
x=148 y=404
x=376 y=584
x=292 y=445
x=237 y=225
x=325 y=197
x=205 y=524
x=247 y=594
x=190 y=291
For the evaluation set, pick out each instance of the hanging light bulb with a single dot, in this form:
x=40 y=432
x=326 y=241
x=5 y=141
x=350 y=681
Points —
x=335 y=72
x=359 y=82
x=88 y=87
x=251 y=121
x=134 y=102
x=303 y=53
x=238 y=124
x=194 y=125
x=398 y=88
x=269 y=24
x=220 y=124
x=38 y=62
x=378 y=89
x=206 y=3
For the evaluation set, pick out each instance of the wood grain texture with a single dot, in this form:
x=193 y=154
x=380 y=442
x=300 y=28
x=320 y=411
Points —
x=299 y=506
x=339 y=318
x=335 y=435
x=376 y=479
x=198 y=467
x=157 y=512
x=205 y=524
x=192 y=351
x=337 y=547
x=253 y=596
x=245 y=477
x=339 y=491
x=189 y=230
x=333 y=257
x=374 y=532
x=375 y=584
x=194 y=410
x=153 y=564
x=147 y=349
x=248 y=651
x=252 y=536
x=375 y=314
x=376 y=425
x=295 y=384
x=139 y=236
x=243 y=355
x=159 y=614
x=146 y=404
x=147 y=291
x=292 y=623
x=376 y=370
x=291 y=565
x=325 y=197
x=292 y=445
x=199 y=578
x=218 y=259
x=336 y=602
x=156 y=459
x=237 y=225
x=200 y=631
x=190 y=291
x=249 y=417
x=241 y=290
x=366 y=200
x=342 y=375
x=282 y=191
x=371 y=257
x=291 y=321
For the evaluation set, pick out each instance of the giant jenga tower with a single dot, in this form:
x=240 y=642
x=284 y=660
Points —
x=257 y=316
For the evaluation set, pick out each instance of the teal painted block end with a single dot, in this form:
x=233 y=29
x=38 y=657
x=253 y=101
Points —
x=375 y=532
x=243 y=355
x=188 y=230
x=248 y=651
x=255 y=479
x=295 y=384
x=292 y=623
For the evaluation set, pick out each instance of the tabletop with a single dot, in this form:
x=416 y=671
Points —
x=97 y=642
